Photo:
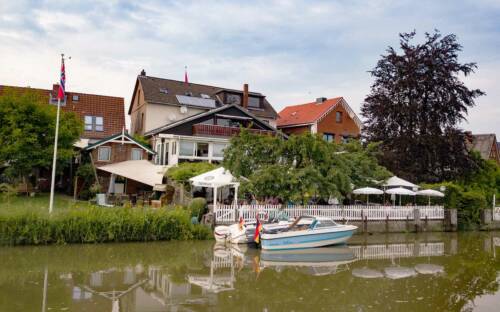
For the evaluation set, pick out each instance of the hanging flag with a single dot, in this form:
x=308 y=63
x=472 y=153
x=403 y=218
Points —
x=62 y=82
x=186 y=81
x=258 y=229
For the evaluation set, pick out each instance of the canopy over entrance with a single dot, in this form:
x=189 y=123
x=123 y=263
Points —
x=215 y=178
x=139 y=170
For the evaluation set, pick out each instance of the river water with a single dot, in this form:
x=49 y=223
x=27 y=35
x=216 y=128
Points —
x=396 y=272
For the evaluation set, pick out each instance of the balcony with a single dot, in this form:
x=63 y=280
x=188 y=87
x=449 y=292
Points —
x=223 y=131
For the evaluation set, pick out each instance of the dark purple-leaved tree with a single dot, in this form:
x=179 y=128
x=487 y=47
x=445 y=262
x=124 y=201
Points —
x=415 y=106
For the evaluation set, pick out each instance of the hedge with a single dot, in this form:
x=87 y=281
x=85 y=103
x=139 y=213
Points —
x=98 y=225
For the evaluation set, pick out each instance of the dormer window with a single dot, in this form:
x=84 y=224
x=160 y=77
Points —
x=253 y=102
x=233 y=99
x=163 y=90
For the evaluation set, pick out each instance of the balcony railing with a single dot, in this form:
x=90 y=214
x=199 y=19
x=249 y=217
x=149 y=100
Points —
x=223 y=131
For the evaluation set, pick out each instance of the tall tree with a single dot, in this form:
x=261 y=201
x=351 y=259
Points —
x=415 y=106
x=27 y=127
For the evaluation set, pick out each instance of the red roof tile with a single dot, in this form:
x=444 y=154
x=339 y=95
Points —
x=305 y=113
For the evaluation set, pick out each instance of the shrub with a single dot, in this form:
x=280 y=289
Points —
x=469 y=207
x=183 y=172
x=197 y=207
x=98 y=225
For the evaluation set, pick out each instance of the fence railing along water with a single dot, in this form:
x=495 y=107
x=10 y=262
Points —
x=231 y=213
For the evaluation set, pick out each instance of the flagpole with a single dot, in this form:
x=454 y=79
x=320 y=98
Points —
x=54 y=159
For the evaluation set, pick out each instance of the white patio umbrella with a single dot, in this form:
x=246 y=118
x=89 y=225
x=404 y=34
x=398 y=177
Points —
x=399 y=272
x=398 y=182
x=400 y=191
x=430 y=193
x=368 y=191
x=428 y=268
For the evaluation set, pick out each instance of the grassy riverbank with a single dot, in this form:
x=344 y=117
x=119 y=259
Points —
x=25 y=221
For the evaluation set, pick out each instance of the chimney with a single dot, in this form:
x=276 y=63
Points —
x=320 y=100
x=143 y=72
x=245 y=95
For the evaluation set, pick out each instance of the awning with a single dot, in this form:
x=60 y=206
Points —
x=139 y=170
x=215 y=178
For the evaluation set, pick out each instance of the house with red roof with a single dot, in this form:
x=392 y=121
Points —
x=332 y=118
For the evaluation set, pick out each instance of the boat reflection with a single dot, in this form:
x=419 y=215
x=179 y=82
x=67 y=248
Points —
x=313 y=261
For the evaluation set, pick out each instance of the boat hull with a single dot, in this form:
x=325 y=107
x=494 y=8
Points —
x=307 y=238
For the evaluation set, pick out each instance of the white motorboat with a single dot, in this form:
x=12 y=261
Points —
x=319 y=232
x=243 y=232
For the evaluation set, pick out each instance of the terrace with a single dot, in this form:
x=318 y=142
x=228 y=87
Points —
x=224 y=131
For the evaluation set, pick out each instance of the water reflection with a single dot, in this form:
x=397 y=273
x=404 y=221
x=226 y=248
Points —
x=393 y=272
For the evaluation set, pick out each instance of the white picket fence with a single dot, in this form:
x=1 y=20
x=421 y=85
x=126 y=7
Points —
x=231 y=213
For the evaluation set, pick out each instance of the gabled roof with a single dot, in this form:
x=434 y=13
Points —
x=309 y=113
x=165 y=91
x=207 y=113
x=483 y=143
x=116 y=137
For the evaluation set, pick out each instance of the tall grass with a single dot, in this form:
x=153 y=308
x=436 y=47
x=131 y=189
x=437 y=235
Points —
x=97 y=225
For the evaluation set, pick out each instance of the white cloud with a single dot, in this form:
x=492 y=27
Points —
x=292 y=51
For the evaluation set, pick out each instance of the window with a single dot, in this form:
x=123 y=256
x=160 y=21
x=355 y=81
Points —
x=163 y=90
x=158 y=151
x=345 y=138
x=338 y=117
x=218 y=149
x=76 y=98
x=104 y=153
x=186 y=148
x=99 y=124
x=329 y=137
x=94 y=123
x=202 y=149
x=253 y=102
x=136 y=154
x=233 y=99
x=88 y=123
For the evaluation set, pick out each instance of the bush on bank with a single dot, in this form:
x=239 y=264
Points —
x=98 y=225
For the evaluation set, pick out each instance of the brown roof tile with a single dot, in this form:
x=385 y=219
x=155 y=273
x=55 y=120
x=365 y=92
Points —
x=153 y=86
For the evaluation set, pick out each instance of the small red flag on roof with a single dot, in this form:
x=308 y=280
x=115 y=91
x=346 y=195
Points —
x=185 y=75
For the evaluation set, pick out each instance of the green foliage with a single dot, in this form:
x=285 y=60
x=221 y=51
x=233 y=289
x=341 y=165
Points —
x=301 y=168
x=27 y=127
x=184 y=171
x=141 y=139
x=470 y=194
x=98 y=225
x=197 y=207
x=86 y=172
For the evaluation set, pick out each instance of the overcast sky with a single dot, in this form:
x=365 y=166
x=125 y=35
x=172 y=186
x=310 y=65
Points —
x=291 y=51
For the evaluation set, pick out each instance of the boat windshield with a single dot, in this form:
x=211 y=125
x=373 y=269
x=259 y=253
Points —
x=325 y=223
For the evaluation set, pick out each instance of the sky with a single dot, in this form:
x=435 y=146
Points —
x=291 y=51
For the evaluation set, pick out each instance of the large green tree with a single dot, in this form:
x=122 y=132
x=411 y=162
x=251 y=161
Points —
x=27 y=128
x=302 y=167
x=415 y=106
